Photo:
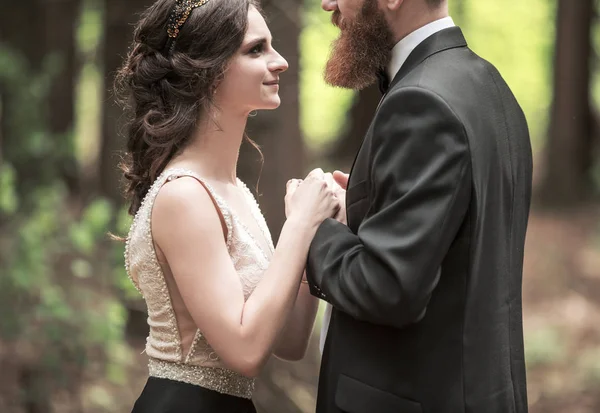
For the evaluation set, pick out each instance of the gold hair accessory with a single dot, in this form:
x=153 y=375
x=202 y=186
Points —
x=179 y=15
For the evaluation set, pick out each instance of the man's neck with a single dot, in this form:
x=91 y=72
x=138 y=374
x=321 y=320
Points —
x=408 y=19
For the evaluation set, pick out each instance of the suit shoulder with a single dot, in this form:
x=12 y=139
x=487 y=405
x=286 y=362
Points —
x=413 y=99
x=450 y=67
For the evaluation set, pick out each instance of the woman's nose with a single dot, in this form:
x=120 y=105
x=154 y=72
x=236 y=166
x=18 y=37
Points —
x=279 y=64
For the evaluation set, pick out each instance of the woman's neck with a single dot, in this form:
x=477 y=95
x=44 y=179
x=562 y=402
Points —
x=215 y=146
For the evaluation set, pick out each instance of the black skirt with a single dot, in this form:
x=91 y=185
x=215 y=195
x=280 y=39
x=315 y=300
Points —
x=169 y=396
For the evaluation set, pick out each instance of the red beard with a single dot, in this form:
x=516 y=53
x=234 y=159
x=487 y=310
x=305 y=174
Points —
x=363 y=47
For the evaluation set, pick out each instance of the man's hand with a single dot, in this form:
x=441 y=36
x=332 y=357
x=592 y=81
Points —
x=338 y=181
x=341 y=178
x=340 y=185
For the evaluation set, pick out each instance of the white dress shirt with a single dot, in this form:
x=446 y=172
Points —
x=400 y=53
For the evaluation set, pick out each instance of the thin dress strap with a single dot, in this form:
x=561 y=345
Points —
x=222 y=207
x=145 y=213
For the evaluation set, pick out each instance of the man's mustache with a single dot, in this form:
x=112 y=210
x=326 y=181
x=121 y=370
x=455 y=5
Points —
x=336 y=19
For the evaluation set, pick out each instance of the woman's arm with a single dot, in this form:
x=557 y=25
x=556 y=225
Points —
x=295 y=336
x=294 y=340
x=187 y=228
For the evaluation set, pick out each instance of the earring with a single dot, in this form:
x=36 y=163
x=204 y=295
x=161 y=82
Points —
x=253 y=114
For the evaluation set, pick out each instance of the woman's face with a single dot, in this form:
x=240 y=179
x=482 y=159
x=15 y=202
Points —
x=251 y=80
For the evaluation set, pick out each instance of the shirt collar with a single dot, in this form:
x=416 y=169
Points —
x=404 y=47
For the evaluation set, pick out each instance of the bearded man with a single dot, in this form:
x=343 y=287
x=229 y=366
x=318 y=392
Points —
x=424 y=278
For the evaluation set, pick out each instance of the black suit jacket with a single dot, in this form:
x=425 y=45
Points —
x=426 y=278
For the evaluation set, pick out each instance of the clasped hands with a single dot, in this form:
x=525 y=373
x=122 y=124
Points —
x=336 y=182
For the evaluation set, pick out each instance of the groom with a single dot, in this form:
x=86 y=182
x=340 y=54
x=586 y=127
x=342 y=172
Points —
x=425 y=279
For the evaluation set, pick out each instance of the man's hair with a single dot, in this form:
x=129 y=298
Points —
x=434 y=3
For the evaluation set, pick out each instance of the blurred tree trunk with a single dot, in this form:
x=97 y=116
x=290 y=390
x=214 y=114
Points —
x=25 y=43
x=358 y=119
x=28 y=42
x=35 y=30
x=119 y=19
x=61 y=17
x=567 y=178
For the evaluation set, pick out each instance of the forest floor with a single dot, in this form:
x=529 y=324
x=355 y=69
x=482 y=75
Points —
x=561 y=306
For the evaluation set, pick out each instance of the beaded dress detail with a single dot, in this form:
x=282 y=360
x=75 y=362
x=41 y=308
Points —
x=200 y=365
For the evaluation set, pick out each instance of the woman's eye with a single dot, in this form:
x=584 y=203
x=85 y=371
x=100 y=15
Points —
x=256 y=49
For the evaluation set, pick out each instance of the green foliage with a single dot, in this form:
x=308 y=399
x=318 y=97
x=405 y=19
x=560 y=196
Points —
x=44 y=257
x=25 y=117
x=57 y=264
x=8 y=196
x=93 y=224
x=518 y=38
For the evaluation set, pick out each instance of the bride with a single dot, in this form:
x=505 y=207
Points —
x=221 y=299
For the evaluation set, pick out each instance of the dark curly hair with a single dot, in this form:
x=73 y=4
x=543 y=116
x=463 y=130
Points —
x=167 y=88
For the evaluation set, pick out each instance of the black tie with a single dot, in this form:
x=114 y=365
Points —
x=384 y=81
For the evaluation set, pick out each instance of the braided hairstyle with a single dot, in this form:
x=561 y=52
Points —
x=168 y=83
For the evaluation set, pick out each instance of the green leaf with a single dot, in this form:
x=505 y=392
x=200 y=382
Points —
x=97 y=217
x=9 y=201
x=81 y=268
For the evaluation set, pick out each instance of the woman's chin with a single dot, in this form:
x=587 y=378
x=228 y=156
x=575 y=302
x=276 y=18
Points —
x=271 y=104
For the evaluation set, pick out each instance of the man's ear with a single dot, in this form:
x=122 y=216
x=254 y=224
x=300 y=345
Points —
x=391 y=5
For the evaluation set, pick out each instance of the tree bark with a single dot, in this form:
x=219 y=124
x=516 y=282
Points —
x=567 y=178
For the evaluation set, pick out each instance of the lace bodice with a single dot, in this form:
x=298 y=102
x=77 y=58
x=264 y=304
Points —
x=200 y=365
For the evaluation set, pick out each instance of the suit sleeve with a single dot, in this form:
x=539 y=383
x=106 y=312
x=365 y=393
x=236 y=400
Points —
x=420 y=191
